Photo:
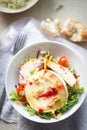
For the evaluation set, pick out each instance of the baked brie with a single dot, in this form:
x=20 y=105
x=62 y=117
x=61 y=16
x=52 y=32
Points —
x=46 y=91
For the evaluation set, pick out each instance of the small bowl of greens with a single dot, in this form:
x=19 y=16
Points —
x=16 y=6
x=46 y=82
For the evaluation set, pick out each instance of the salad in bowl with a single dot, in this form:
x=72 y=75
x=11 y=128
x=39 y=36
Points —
x=47 y=87
x=16 y=6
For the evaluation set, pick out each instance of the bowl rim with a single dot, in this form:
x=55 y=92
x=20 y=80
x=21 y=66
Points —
x=22 y=9
x=39 y=43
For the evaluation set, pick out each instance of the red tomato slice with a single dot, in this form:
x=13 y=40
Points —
x=63 y=61
x=20 y=91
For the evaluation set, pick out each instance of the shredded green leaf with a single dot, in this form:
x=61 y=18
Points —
x=74 y=94
x=47 y=116
x=13 y=4
x=14 y=96
x=30 y=110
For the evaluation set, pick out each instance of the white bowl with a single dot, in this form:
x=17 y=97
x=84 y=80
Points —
x=28 y=5
x=56 y=49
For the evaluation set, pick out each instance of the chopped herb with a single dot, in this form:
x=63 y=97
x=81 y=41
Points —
x=32 y=72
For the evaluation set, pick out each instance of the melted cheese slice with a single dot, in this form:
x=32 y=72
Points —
x=46 y=91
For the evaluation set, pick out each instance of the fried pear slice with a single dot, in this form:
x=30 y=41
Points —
x=64 y=72
x=28 y=68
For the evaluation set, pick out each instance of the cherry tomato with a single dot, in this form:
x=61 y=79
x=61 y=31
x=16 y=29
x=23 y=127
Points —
x=20 y=91
x=63 y=61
